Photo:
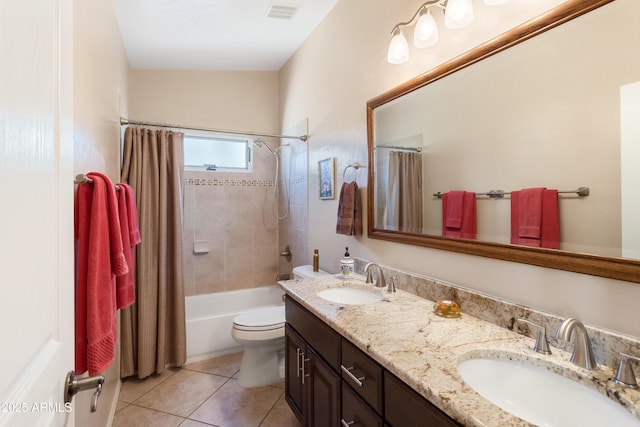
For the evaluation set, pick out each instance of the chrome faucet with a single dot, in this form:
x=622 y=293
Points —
x=380 y=282
x=582 y=354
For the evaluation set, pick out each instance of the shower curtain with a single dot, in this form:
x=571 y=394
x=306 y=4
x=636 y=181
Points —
x=153 y=329
x=404 y=197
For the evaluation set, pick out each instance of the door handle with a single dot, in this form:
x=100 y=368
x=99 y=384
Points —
x=304 y=374
x=74 y=384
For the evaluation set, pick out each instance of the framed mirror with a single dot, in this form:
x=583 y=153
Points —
x=551 y=103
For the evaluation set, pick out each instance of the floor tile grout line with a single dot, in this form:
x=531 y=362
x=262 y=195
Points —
x=157 y=410
x=182 y=416
x=272 y=408
x=145 y=379
x=207 y=399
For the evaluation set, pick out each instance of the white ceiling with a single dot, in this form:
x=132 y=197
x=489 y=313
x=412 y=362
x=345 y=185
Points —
x=214 y=34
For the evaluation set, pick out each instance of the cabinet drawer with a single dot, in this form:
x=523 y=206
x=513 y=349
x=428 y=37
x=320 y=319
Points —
x=324 y=340
x=404 y=407
x=363 y=374
x=355 y=411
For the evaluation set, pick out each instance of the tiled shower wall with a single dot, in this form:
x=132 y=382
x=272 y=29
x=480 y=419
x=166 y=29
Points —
x=232 y=211
x=235 y=214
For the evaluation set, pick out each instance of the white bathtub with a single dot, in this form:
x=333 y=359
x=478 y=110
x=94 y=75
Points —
x=209 y=319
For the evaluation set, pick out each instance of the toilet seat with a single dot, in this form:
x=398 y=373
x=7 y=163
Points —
x=261 y=319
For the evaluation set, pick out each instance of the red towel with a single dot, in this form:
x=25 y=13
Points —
x=453 y=209
x=535 y=218
x=530 y=213
x=459 y=214
x=125 y=285
x=132 y=213
x=100 y=259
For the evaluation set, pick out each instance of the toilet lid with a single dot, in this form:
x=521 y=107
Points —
x=261 y=318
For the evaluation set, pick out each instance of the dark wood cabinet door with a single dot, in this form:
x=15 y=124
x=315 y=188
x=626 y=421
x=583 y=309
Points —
x=355 y=412
x=295 y=349
x=324 y=398
x=404 y=407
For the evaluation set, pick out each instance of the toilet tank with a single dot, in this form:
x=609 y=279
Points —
x=305 y=271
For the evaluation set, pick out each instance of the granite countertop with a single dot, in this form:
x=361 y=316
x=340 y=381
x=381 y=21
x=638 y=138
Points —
x=402 y=333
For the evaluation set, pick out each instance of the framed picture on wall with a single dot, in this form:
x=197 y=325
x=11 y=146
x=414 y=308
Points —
x=327 y=169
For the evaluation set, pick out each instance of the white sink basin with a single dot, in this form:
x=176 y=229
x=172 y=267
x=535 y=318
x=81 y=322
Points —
x=350 y=295
x=542 y=397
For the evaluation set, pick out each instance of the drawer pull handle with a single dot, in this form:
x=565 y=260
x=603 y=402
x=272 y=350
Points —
x=347 y=424
x=353 y=377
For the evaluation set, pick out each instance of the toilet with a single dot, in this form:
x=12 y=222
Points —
x=261 y=333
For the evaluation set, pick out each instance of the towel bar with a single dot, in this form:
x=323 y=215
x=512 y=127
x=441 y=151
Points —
x=82 y=178
x=499 y=194
x=355 y=166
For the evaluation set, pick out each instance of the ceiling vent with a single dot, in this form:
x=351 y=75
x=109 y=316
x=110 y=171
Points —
x=281 y=11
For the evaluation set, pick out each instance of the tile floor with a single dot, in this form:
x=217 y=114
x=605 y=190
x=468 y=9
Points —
x=202 y=394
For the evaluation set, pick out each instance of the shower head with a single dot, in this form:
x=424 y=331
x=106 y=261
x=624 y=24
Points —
x=260 y=143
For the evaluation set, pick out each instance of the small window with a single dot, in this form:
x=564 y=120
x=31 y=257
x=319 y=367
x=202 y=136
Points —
x=217 y=153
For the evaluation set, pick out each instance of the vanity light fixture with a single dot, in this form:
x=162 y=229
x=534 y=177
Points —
x=457 y=14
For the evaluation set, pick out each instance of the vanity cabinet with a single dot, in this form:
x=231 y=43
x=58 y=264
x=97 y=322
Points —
x=404 y=407
x=312 y=384
x=331 y=382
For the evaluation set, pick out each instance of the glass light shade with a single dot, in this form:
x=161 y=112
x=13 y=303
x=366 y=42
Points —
x=495 y=2
x=425 y=33
x=398 y=52
x=458 y=13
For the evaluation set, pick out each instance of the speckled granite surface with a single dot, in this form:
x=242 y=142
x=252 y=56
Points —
x=402 y=333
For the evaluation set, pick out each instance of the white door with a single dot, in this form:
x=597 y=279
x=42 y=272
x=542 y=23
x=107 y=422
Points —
x=36 y=211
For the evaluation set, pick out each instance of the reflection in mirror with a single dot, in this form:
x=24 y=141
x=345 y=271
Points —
x=554 y=111
x=399 y=184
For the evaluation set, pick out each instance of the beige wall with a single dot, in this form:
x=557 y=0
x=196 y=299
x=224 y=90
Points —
x=100 y=96
x=231 y=100
x=329 y=80
x=232 y=211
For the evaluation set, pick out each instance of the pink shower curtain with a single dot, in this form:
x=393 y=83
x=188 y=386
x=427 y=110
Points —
x=153 y=329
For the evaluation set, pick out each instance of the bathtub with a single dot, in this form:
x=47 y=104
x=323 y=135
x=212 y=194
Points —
x=209 y=319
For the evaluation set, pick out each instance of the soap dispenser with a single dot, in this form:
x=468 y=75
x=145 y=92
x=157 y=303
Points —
x=346 y=265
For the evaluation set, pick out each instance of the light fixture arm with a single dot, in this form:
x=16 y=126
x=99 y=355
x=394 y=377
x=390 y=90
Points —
x=415 y=15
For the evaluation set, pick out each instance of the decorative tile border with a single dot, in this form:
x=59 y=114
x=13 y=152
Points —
x=218 y=182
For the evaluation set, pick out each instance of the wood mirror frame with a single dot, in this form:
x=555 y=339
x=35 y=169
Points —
x=610 y=267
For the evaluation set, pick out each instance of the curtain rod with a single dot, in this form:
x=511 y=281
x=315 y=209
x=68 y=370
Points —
x=392 y=147
x=124 y=121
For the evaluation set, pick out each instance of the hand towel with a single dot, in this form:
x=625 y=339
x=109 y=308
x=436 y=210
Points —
x=530 y=213
x=132 y=214
x=125 y=284
x=533 y=210
x=100 y=259
x=550 y=231
x=349 y=210
x=459 y=214
x=453 y=208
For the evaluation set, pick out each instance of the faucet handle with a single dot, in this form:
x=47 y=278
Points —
x=392 y=284
x=625 y=375
x=542 y=344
